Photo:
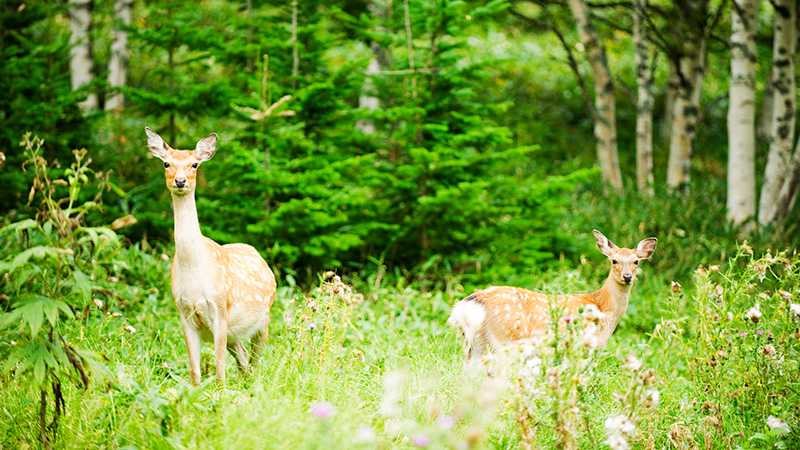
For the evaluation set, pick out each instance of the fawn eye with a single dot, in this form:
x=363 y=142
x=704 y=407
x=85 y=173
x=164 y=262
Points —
x=166 y=164
x=194 y=165
x=614 y=261
x=636 y=262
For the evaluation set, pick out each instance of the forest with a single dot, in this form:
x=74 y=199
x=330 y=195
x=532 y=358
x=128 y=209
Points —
x=390 y=160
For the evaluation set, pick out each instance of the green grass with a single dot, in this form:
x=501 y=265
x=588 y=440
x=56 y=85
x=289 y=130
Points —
x=141 y=398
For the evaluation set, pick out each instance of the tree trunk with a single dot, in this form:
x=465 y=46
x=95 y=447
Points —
x=765 y=116
x=685 y=114
x=788 y=194
x=783 y=110
x=644 y=105
x=118 y=64
x=673 y=84
x=367 y=99
x=741 y=113
x=80 y=54
x=605 y=127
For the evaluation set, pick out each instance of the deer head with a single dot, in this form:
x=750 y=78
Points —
x=625 y=261
x=180 y=166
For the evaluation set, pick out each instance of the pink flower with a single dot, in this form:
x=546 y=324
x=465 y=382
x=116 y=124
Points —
x=322 y=410
x=446 y=422
x=753 y=314
x=421 y=441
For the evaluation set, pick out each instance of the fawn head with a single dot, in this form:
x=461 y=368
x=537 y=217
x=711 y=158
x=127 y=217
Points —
x=625 y=261
x=180 y=166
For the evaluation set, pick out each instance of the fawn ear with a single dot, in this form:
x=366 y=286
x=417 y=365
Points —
x=156 y=144
x=646 y=248
x=604 y=244
x=206 y=147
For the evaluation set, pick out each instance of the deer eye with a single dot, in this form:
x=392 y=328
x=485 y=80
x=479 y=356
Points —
x=636 y=262
x=614 y=261
x=194 y=165
x=166 y=164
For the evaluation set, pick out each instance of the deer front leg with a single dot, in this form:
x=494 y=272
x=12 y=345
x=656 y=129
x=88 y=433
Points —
x=192 y=337
x=220 y=345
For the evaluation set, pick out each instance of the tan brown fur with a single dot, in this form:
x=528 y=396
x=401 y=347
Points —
x=508 y=314
x=223 y=293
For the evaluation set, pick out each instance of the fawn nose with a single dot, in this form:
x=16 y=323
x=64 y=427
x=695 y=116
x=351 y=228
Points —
x=180 y=182
x=627 y=277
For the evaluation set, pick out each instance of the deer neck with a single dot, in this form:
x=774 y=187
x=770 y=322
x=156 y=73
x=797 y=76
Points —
x=189 y=248
x=615 y=296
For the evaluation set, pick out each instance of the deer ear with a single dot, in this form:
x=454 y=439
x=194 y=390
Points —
x=646 y=247
x=206 y=147
x=156 y=144
x=603 y=243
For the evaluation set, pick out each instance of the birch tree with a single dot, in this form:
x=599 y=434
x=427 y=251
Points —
x=80 y=54
x=605 y=128
x=741 y=113
x=783 y=110
x=644 y=102
x=118 y=63
x=685 y=111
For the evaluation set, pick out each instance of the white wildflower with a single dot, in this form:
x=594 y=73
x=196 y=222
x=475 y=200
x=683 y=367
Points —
x=632 y=363
x=652 y=398
x=753 y=314
x=618 y=442
x=619 y=424
x=795 y=309
x=365 y=435
x=777 y=425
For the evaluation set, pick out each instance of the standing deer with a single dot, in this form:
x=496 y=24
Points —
x=223 y=292
x=501 y=315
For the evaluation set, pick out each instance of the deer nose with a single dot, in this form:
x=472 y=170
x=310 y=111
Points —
x=180 y=182
x=627 y=277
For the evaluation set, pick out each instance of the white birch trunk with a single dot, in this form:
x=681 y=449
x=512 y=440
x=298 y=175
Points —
x=673 y=84
x=367 y=99
x=605 y=127
x=783 y=84
x=80 y=54
x=741 y=113
x=685 y=115
x=118 y=64
x=644 y=105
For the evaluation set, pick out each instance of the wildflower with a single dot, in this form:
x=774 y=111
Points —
x=769 y=350
x=164 y=257
x=632 y=363
x=746 y=248
x=568 y=320
x=795 y=309
x=785 y=295
x=652 y=398
x=753 y=314
x=129 y=328
x=743 y=334
x=713 y=268
x=322 y=410
x=777 y=425
x=365 y=435
x=676 y=287
x=312 y=326
x=446 y=422
x=619 y=424
x=719 y=291
x=421 y=441
x=589 y=337
x=592 y=314
x=617 y=442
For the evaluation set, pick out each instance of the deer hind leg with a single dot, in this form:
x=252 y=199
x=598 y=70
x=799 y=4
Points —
x=242 y=358
x=260 y=341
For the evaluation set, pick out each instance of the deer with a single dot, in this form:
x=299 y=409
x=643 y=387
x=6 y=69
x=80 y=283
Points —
x=223 y=293
x=499 y=316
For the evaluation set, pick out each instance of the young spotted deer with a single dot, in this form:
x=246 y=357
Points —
x=223 y=292
x=501 y=315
